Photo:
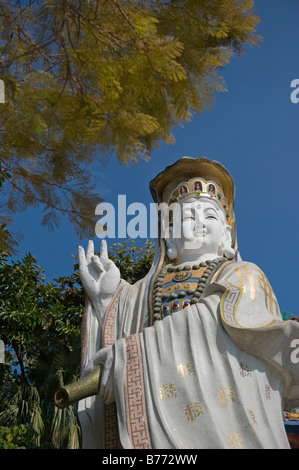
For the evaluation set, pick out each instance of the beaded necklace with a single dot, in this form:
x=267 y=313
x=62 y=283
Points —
x=179 y=287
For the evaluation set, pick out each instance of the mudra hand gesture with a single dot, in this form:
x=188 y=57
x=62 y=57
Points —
x=99 y=275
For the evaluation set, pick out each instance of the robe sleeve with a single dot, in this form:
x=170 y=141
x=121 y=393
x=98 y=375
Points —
x=251 y=316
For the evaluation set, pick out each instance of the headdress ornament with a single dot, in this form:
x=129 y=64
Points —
x=195 y=177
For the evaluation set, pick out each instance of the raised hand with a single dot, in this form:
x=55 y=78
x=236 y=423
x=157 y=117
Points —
x=99 y=275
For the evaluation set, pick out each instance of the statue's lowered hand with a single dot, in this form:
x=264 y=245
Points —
x=99 y=275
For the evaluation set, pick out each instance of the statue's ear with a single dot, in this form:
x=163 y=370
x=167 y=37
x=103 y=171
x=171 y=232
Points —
x=171 y=245
x=227 y=249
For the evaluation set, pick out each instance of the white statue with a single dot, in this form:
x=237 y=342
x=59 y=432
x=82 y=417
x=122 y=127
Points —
x=196 y=354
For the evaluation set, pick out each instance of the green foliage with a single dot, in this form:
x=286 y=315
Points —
x=17 y=437
x=40 y=324
x=133 y=262
x=29 y=304
x=8 y=242
x=84 y=80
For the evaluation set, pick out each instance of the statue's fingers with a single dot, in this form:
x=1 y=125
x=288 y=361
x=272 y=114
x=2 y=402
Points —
x=97 y=263
x=89 y=251
x=82 y=258
x=106 y=262
x=104 y=250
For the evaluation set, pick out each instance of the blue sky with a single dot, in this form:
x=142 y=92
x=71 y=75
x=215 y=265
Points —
x=253 y=131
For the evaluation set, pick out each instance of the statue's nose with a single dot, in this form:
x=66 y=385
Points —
x=199 y=222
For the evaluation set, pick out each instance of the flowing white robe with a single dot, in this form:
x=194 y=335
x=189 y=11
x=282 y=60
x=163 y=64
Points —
x=218 y=374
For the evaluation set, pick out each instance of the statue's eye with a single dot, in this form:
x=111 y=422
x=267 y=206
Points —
x=211 y=215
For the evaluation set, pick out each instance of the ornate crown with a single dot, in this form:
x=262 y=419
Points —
x=179 y=181
x=199 y=187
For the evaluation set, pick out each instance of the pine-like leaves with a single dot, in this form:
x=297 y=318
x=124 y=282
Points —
x=84 y=80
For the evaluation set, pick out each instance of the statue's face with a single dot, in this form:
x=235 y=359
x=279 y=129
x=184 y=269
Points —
x=203 y=228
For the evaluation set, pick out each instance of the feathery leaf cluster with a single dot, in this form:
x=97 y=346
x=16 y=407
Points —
x=86 y=80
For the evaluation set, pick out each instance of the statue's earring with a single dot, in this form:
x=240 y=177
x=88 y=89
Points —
x=226 y=247
x=229 y=252
x=172 y=252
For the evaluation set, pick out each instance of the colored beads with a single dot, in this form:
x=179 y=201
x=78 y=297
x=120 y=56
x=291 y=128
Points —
x=165 y=304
